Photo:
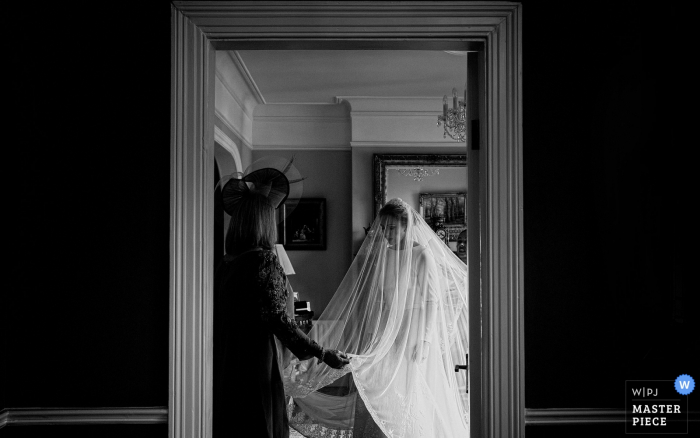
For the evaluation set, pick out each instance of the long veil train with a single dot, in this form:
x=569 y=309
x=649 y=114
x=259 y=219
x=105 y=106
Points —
x=401 y=314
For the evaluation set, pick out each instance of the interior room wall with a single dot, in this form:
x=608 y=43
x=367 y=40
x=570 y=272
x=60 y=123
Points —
x=344 y=176
x=301 y=126
x=319 y=273
x=318 y=137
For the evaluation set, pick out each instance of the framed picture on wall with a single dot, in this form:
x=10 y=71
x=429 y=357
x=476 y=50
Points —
x=446 y=211
x=450 y=207
x=305 y=228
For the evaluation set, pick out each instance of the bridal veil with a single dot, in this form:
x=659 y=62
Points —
x=401 y=315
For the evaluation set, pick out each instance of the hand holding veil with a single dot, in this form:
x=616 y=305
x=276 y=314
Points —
x=400 y=314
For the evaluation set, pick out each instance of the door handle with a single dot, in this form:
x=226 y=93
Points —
x=464 y=367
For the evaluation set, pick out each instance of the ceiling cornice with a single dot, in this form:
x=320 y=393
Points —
x=406 y=144
x=243 y=70
x=233 y=129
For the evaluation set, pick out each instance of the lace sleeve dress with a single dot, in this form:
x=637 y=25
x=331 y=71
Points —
x=249 y=311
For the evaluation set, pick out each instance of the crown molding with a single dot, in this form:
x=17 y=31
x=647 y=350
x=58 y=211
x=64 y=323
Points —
x=75 y=416
x=302 y=119
x=234 y=95
x=276 y=147
x=306 y=126
x=233 y=129
x=405 y=114
x=298 y=109
x=405 y=105
x=247 y=77
x=336 y=102
x=407 y=145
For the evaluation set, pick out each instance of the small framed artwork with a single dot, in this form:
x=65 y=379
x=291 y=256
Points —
x=450 y=207
x=305 y=228
x=445 y=213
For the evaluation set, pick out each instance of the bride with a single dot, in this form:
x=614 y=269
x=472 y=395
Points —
x=400 y=314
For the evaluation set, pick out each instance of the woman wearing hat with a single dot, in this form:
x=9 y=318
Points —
x=250 y=310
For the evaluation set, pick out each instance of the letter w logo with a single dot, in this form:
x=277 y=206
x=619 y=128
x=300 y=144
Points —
x=684 y=384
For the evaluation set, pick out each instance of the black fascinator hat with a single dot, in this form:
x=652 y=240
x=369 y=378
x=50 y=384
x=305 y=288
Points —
x=275 y=178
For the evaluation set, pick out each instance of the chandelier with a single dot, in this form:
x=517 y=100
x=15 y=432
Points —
x=418 y=173
x=455 y=118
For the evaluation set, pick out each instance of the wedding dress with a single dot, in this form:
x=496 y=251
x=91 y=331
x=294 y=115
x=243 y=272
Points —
x=401 y=315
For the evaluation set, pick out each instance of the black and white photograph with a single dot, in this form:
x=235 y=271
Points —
x=386 y=219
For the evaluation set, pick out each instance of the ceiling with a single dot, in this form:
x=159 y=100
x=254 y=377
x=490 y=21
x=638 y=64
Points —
x=319 y=76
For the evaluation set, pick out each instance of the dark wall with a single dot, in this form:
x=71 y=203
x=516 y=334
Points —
x=608 y=206
x=86 y=170
x=608 y=195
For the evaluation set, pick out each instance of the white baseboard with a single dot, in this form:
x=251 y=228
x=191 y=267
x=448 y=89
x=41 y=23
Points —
x=581 y=416
x=573 y=416
x=73 y=416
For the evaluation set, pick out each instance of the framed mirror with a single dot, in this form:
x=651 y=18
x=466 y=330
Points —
x=396 y=175
x=434 y=185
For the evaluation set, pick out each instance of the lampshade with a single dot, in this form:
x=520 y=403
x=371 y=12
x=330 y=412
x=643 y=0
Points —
x=284 y=259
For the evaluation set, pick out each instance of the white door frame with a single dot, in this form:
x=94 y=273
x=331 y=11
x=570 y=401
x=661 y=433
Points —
x=198 y=28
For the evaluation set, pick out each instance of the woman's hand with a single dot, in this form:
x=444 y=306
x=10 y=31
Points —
x=420 y=351
x=335 y=359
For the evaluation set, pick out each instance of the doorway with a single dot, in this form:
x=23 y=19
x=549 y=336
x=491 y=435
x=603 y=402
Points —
x=199 y=30
x=327 y=107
